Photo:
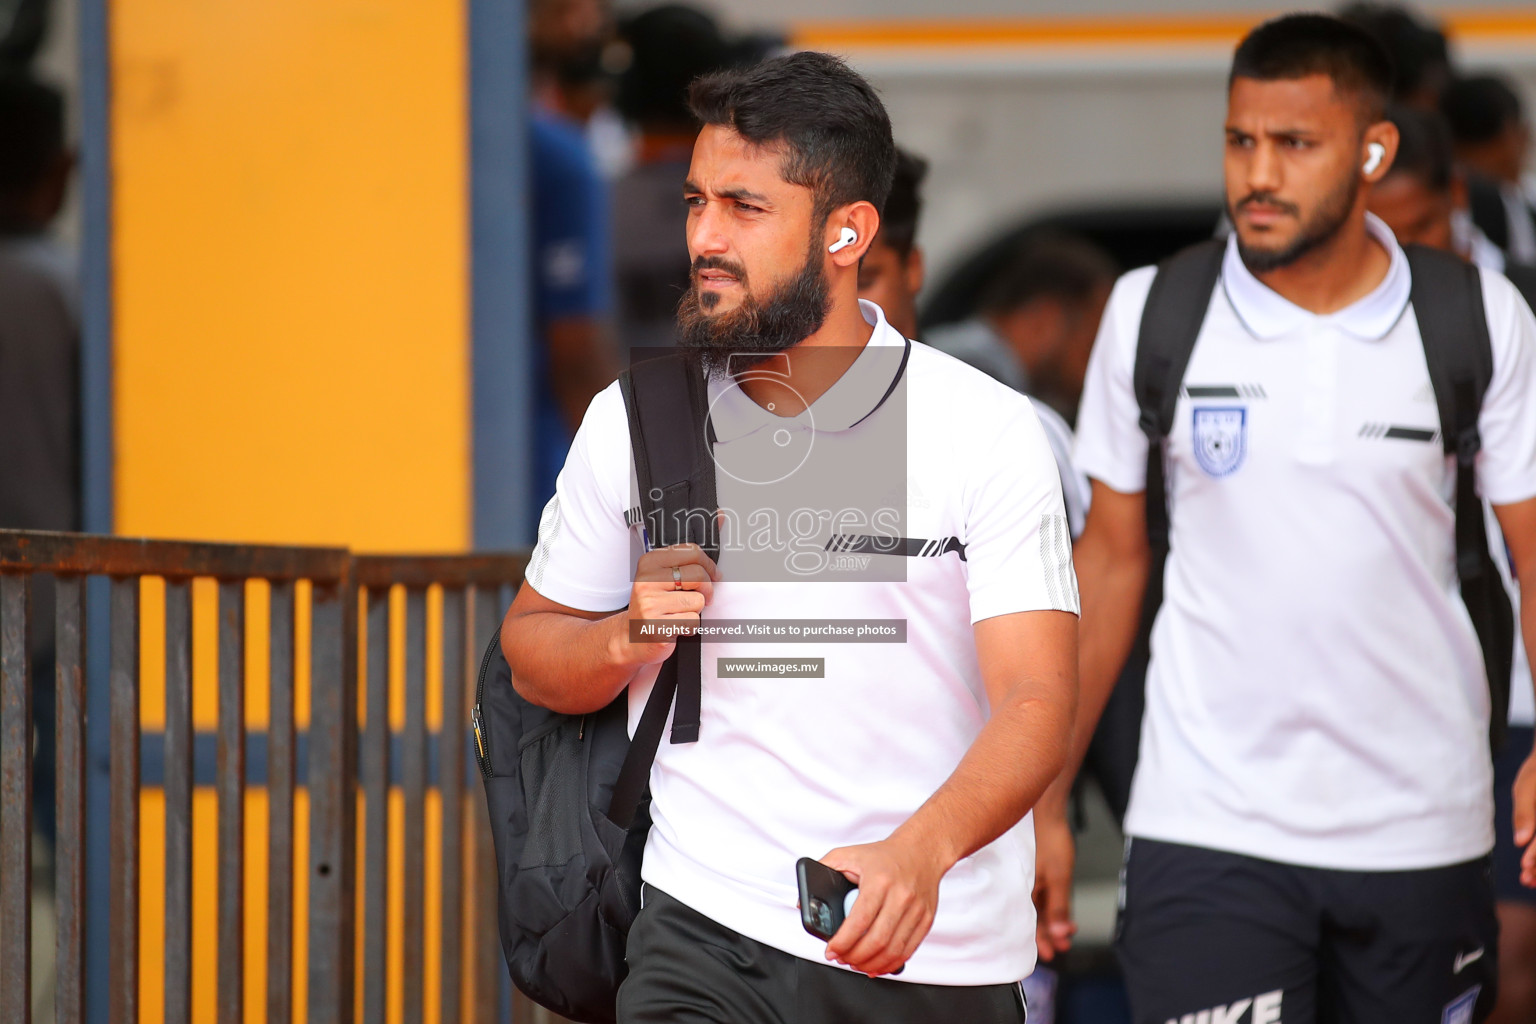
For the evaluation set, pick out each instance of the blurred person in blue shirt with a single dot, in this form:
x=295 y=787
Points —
x=572 y=257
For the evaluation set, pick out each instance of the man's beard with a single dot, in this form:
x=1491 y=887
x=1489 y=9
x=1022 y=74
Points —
x=747 y=335
x=1325 y=223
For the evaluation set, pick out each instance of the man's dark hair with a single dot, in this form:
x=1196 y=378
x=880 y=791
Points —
x=1048 y=263
x=1424 y=148
x=898 y=225
x=834 y=129
x=1421 y=57
x=670 y=46
x=31 y=130
x=1480 y=108
x=1301 y=45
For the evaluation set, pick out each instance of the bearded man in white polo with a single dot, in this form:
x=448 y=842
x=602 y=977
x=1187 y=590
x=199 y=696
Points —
x=910 y=767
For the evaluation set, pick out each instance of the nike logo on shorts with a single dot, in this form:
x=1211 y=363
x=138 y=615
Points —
x=1463 y=959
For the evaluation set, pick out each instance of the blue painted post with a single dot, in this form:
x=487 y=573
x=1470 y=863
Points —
x=96 y=462
x=501 y=318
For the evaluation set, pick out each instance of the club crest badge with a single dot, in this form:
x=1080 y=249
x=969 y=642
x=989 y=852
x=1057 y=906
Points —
x=1220 y=439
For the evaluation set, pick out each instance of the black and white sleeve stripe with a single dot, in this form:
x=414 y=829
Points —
x=1056 y=560
x=549 y=529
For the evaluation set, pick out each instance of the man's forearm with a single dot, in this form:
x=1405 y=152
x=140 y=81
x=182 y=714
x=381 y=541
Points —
x=1012 y=761
x=568 y=664
x=1112 y=587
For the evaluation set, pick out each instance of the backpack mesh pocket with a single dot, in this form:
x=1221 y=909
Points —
x=549 y=764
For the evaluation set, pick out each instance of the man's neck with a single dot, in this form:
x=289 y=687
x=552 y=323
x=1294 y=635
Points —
x=1033 y=333
x=816 y=363
x=547 y=96
x=1335 y=275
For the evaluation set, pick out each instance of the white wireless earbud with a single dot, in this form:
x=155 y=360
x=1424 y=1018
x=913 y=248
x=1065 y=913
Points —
x=844 y=239
x=1377 y=152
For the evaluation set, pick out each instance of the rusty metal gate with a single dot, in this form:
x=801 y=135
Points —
x=331 y=627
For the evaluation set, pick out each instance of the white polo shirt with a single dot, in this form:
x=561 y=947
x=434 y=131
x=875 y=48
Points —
x=1316 y=693
x=789 y=768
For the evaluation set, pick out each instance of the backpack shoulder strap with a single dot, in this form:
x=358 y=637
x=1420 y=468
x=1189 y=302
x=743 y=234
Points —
x=1447 y=297
x=667 y=403
x=1524 y=280
x=1170 y=324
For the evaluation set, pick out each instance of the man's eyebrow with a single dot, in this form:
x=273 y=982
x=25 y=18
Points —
x=739 y=194
x=743 y=195
x=1286 y=133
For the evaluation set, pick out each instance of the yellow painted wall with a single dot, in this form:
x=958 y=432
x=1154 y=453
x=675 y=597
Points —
x=291 y=347
x=290 y=271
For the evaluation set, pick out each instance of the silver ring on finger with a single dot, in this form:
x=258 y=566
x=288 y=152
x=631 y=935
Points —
x=677 y=577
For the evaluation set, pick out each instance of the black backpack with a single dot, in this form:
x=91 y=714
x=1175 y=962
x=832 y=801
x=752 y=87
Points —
x=568 y=794
x=1447 y=298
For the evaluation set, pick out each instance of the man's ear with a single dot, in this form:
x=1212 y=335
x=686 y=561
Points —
x=863 y=220
x=1385 y=135
x=916 y=270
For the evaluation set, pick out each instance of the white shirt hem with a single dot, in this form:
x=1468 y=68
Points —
x=1329 y=854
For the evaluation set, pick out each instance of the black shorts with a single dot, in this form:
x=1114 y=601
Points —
x=686 y=969
x=1506 y=855
x=1221 y=938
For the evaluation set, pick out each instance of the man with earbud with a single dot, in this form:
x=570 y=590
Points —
x=1311 y=816
x=857 y=480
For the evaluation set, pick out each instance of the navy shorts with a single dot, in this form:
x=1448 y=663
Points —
x=1223 y=938
x=1506 y=855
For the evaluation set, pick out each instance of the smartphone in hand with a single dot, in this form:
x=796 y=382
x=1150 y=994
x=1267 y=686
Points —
x=823 y=897
x=826 y=895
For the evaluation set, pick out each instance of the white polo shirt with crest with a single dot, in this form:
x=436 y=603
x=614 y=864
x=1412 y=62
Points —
x=1316 y=692
x=794 y=767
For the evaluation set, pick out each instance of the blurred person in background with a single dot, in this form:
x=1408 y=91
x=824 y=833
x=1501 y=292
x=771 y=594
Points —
x=39 y=370
x=1421 y=57
x=567 y=39
x=669 y=47
x=1423 y=198
x=1312 y=814
x=571 y=259
x=891 y=273
x=35 y=168
x=1418 y=200
x=1037 y=319
x=1491 y=134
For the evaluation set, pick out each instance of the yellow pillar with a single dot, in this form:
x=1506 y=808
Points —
x=291 y=339
x=291 y=336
